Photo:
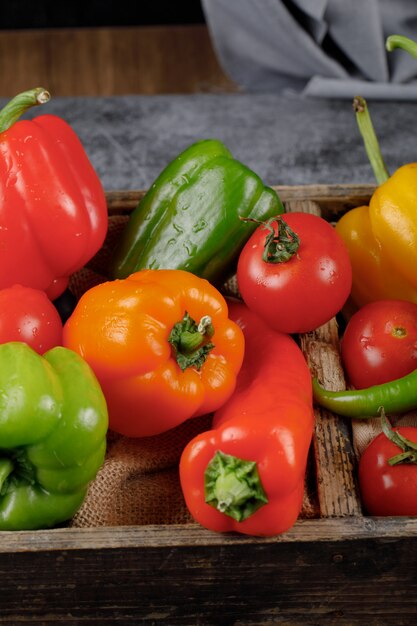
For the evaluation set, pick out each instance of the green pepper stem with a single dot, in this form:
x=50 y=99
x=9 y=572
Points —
x=399 y=41
x=231 y=492
x=21 y=103
x=233 y=486
x=6 y=468
x=370 y=139
x=190 y=341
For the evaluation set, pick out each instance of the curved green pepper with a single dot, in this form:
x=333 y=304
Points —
x=191 y=217
x=53 y=424
x=395 y=396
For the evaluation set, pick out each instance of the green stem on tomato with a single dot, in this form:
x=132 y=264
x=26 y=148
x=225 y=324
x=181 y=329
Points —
x=409 y=448
x=10 y=113
x=281 y=244
x=370 y=139
x=399 y=41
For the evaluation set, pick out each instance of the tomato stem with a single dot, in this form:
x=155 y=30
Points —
x=21 y=103
x=190 y=341
x=370 y=139
x=409 y=454
x=281 y=243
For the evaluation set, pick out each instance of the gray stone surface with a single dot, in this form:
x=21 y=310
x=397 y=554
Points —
x=287 y=140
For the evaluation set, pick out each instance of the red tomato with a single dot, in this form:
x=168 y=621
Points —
x=380 y=343
x=304 y=292
x=28 y=315
x=388 y=490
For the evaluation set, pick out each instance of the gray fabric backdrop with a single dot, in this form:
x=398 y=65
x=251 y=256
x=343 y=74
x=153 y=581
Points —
x=286 y=139
x=331 y=48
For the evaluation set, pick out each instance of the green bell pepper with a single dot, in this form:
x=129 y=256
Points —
x=53 y=424
x=196 y=216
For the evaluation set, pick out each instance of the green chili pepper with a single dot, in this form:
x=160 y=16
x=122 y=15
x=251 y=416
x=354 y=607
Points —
x=195 y=215
x=396 y=396
x=53 y=424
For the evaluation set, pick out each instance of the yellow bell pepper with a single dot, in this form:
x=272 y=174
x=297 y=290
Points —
x=382 y=238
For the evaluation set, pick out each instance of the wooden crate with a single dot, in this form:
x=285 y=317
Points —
x=336 y=565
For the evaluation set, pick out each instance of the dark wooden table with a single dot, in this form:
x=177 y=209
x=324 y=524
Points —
x=108 y=61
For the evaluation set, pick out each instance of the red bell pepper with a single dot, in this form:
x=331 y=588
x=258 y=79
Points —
x=247 y=473
x=53 y=212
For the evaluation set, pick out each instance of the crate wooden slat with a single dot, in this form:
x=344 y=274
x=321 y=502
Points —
x=338 y=566
x=333 y=199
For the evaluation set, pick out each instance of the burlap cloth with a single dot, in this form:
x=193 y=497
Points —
x=139 y=483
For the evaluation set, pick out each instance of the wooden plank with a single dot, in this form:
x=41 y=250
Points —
x=333 y=199
x=335 y=461
x=336 y=465
x=342 y=529
x=372 y=581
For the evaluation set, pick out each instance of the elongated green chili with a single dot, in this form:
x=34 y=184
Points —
x=396 y=396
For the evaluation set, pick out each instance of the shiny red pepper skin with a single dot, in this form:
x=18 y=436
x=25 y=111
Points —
x=269 y=420
x=53 y=212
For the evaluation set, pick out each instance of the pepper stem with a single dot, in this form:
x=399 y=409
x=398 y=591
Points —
x=190 y=341
x=370 y=139
x=233 y=486
x=409 y=454
x=399 y=41
x=6 y=468
x=21 y=103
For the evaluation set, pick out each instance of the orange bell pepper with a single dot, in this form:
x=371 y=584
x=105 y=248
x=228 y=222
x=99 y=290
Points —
x=161 y=345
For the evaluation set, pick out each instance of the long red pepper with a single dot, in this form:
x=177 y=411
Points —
x=247 y=473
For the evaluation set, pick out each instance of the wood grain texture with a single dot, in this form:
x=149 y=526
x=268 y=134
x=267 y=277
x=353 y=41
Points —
x=341 y=530
x=334 y=200
x=111 y=61
x=349 y=581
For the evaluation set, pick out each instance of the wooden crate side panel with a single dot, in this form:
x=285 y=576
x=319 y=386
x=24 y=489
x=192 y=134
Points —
x=372 y=582
x=333 y=199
